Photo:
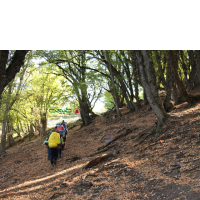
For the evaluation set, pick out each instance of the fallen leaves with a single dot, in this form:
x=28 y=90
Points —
x=127 y=177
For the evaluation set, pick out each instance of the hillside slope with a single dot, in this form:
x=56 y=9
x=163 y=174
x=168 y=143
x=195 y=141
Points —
x=138 y=164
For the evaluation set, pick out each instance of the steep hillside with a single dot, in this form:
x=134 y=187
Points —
x=112 y=158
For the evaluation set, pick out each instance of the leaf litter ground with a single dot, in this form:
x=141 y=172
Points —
x=166 y=166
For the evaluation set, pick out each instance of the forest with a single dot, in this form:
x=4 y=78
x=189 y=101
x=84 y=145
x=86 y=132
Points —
x=33 y=81
x=145 y=85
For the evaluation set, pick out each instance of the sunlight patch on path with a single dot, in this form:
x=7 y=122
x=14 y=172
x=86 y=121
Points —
x=27 y=183
x=192 y=110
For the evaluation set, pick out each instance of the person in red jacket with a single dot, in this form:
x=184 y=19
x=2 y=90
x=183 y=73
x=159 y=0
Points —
x=60 y=128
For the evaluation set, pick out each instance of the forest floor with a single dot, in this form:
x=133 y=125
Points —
x=138 y=165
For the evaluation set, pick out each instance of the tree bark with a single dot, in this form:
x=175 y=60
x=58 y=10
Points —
x=166 y=83
x=184 y=66
x=197 y=77
x=5 y=120
x=113 y=84
x=136 y=80
x=178 y=81
x=38 y=126
x=7 y=73
x=193 y=71
x=168 y=88
x=3 y=136
x=149 y=83
x=84 y=111
x=145 y=97
x=129 y=77
x=11 y=140
x=31 y=129
x=43 y=121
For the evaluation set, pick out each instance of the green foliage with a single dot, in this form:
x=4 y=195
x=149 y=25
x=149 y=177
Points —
x=64 y=78
x=108 y=100
x=33 y=95
x=86 y=85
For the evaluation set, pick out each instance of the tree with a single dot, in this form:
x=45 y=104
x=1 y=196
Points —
x=44 y=91
x=73 y=66
x=113 y=84
x=148 y=81
x=174 y=66
x=136 y=78
x=5 y=127
x=165 y=77
x=10 y=64
x=197 y=77
x=10 y=96
x=118 y=78
x=32 y=96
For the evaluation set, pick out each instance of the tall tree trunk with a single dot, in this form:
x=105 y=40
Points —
x=10 y=139
x=166 y=83
x=31 y=126
x=136 y=79
x=84 y=111
x=3 y=136
x=197 y=77
x=149 y=83
x=125 y=64
x=193 y=71
x=168 y=88
x=178 y=81
x=145 y=97
x=113 y=84
x=184 y=66
x=129 y=102
x=93 y=115
x=38 y=127
x=117 y=95
x=5 y=120
x=18 y=128
x=43 y=121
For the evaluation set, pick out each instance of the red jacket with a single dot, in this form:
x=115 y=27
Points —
x=60 y=128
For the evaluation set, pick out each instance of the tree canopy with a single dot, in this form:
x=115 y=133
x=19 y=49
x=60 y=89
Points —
x=33 y=82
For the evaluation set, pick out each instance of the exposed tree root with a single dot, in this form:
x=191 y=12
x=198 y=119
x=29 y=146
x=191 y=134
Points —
x=99 y=160
x=118 y=137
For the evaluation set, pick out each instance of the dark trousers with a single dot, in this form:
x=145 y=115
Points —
x=54 y=154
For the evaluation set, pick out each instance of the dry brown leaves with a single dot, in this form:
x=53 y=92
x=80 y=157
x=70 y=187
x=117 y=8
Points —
x=136 y=173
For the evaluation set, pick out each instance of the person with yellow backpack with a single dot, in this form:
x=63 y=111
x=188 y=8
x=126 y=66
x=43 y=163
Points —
x=53 y=143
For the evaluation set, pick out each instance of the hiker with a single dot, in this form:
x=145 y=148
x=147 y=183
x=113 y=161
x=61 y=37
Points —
x=54 y=142
x=61 y=129
x=66 y=130
x=64 y=124
x=46 y=142
x=61 y=147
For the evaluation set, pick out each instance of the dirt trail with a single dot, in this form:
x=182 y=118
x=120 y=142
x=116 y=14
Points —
x=166 y=167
